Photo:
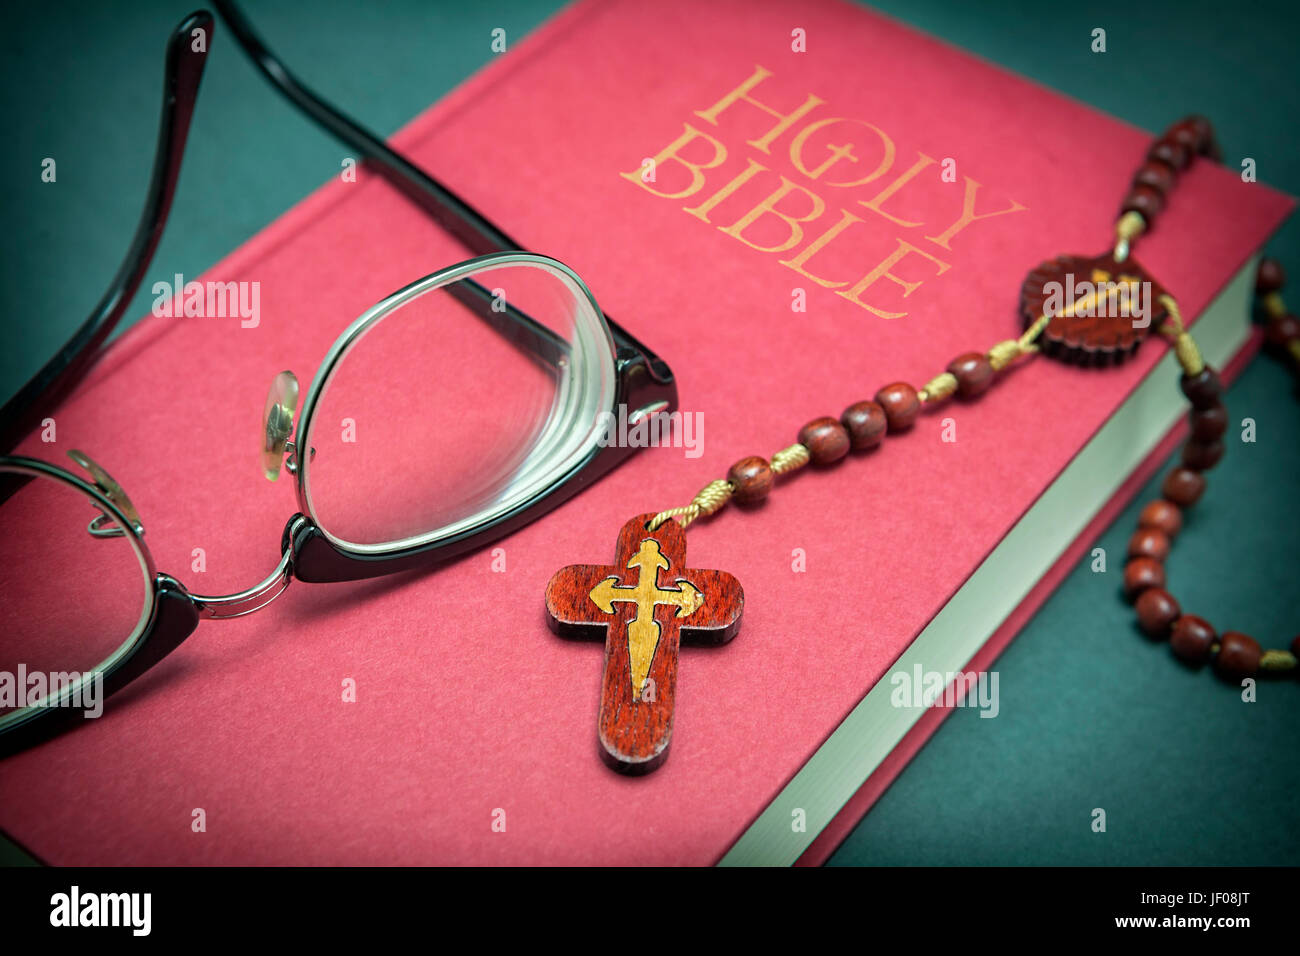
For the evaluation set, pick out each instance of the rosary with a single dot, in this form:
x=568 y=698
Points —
x=649 y=572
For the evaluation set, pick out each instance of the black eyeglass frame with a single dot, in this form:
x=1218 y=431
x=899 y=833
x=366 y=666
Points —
x=644 y=383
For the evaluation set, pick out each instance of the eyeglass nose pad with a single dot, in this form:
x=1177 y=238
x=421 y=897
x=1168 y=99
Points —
x=277 y=422
x=103 y=526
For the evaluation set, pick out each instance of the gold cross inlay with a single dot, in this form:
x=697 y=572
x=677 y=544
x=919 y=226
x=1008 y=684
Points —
x=643 y=631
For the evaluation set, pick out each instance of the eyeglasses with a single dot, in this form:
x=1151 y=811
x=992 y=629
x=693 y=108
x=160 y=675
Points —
x=390 y=474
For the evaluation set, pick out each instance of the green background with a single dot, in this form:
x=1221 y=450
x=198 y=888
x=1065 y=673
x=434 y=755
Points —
x=1092 y=715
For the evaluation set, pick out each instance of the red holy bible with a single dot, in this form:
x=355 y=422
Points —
x=790 y=230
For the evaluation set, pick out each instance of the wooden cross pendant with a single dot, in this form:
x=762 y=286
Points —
x=643 y=605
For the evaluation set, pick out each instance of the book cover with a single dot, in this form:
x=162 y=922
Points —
x=812 y=226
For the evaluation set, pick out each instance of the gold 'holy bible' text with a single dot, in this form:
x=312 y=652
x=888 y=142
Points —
x=922 y=255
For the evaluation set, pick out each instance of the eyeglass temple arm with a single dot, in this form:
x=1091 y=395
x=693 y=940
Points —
x=181 y=76
x=447 y=209
x=451 y=212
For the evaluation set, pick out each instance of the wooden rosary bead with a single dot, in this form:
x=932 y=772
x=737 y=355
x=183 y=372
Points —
x=1159 y=176
x=1202 y=389
x=901 y=405
x=1142 y=573
x=1271 y=277
x=826 y=439
x=1169 y=151
x=974 y=374
x=1183 y=487
x=1202 y=456
x=1145 y=201
x=1278 y=332
x=1163 y=516
x=1156 y=611
x=866 y=424
x=1148 y=543
x=1191 y=638
x=751 y=480
x=1194 y=134
x=1239 y=655
x=1206 y=144
x=1184 y=134
x=1209 y=424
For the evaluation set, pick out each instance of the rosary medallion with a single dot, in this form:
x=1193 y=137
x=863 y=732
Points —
x=1098 y=309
